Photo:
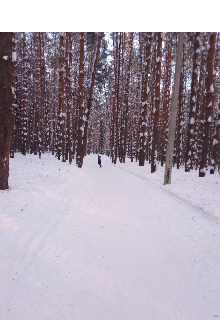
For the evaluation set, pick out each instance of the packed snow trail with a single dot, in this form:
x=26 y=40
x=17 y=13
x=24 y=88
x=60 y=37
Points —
x=102 y=244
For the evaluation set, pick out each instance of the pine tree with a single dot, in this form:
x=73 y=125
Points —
x=157 y=104
x=166 y=98
x=14 y=59
x=80 y=100
x=145 y=103
x=91 y=88
x=191 y=142
x=6 y=116
x=205 y=161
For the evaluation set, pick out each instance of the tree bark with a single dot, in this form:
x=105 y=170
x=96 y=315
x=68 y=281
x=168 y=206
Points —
x=89 y=103
x=126 y=95
x=166 y=99
x=190 y=146
x=14 y=58
x=209 y=107
x=118 y=100
x=145 y=103
x=6 y=117
x=80 y=149
x=157 y=105
x=172 y=127
x=62 y=100
x=115 y=45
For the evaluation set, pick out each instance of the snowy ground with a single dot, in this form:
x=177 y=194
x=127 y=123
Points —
x=108 y=243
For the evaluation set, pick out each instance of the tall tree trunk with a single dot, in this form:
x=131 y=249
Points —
x=199 y=103
x=40 y=136
x=180 y=119
x=166 y=100
x=6 y=118
x=118 y=101
x=190 y=146
x=23 y=99
x=172 y=126
x=127 y=93
x=145 y=104
x=80 y=149
x=14 y=58
x=67 y=86
x=152 y=98
x=209 y=107
x=62 y=99
x=37 y=95
x=70 y=102
x=115 y=45
x=215 y=139
x=122 y=94
x=89 y=103
x=157 y=104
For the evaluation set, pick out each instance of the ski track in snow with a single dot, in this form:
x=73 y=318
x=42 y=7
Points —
x=102 y=244
x=175 y=196
x=24 y=253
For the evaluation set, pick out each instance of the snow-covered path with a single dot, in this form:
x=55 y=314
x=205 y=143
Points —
x=102 y=244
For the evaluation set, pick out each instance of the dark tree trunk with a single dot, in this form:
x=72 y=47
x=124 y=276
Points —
x=157 y=104
x=117 y=124
x=190 y=147
x=13 y=93
x=89 y=103
x=6 y=118
x=62 y=100
x=145 y=104
x=80 y=149
x=209 y=107
x=113 y=150
x=199 y=104
x=127 y=94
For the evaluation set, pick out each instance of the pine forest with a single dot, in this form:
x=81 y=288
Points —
x=77 y=93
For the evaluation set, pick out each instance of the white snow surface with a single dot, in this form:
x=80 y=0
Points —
x=109 y=243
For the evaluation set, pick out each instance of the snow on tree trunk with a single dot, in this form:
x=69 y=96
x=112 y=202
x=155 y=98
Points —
x=190 y=146
x=157 y=105
x=145 y=103
x=91 y=88
x=127 y=93
x=14 y=59
x=208 y=124
x=6 y=117
x=80 y=128
x=215 y=138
